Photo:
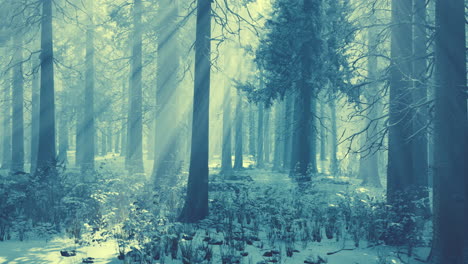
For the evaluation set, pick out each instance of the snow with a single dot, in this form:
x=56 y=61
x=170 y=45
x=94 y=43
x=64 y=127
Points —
x=40 y=251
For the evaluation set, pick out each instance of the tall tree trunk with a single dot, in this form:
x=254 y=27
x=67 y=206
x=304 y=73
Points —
x=420 y=121
x=323 y=137
x=79 y=135
x=266 y=136
x=63 y=136
x=34 y=113
x=288 y=133
x=117 y=142
x=135 y=147
x=334 y=167
x=279 y=130
x=124 y=125
x=304 y=143
x=196 y=202
x=369 y=162
x=109 y=137
x=450 y=243
x=167 y=130
x=89 y=126
x=226 y=155
x=103 y=142
x=17 y=136
x=399 y=170
x=6 y=126
x=239 y=148
x=46 y=158
x=252 y=143
x=260 y=131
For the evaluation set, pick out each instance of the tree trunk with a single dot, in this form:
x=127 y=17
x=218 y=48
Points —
x=46 y=158
x=89 y=126
x=334 y=168
x=63 y=136
x=167 y=130
x=6 y=126
x=103 y=142
x=124 y=125
x=323 y=137
x=266 y=135
x=369 y=161
x=109 y=138
x=252 y=143
x=17 y=136
x=196 y=202
x=420 y=121
x=450 y=243
x=135 y=147
x=239 y=148
x=226 y=155
x=288 y=134
x=34 y=114
x=304 y=160
x=260 y=131
x=399 y=170
x=279 y=130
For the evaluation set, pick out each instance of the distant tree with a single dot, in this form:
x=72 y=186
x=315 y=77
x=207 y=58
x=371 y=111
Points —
x=34 y=112
x=369 y=161
x=239 y=142
x=260 y=135
x=278 y=140
x=399 y=171
x=226 y=155
x=252 y=142
x=267 y=136
x=6 y=123
x=17 y=136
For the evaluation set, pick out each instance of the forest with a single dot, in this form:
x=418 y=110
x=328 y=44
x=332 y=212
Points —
x=233 y=131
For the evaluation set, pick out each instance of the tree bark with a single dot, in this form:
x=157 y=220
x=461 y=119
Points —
x=135 y=147
x=239 y=148
x=450 y=243
x=288 y=134
x=260 y=131
x=279 y=130
x=334 y=167
x=196 y=202
x=226 y=155
x=252 y=143
x=46 y=159
x=17 y=136
x=34 y=113
x=6 y=126
x=266 y=135
x=88 y=131
x=400 y=159
x=420 y=121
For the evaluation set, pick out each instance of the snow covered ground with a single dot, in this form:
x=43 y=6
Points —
x=39 y=251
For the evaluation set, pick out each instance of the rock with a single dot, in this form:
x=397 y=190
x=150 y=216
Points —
x=88 y=260
x=66 y=253
x=244 y=254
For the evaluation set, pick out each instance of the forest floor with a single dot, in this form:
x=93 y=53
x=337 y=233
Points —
x=278 y=188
